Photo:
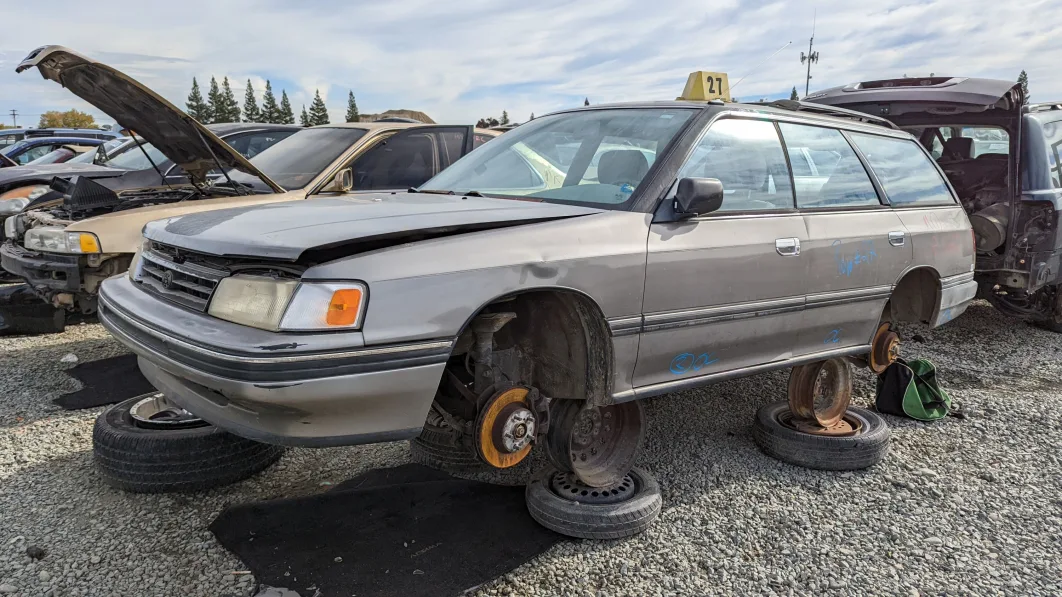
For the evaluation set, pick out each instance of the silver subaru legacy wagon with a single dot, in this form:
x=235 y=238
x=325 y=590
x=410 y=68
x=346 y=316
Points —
x=541 y=285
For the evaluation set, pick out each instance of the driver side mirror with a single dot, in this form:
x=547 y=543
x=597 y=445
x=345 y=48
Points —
x=342 y=183
x=698 y=196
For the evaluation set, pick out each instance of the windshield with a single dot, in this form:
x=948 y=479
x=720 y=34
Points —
x=596 y=157
x=131 y=158
x=14 y=147
x=293 y=162
x=57 y=156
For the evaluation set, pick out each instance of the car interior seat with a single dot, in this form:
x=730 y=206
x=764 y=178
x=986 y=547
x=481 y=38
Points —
x=622 y=166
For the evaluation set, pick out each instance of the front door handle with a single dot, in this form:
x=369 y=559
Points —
x=896 y=239
x=787 y=247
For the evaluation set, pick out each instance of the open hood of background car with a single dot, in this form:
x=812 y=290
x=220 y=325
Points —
x=899 y=99
x=135 y=107
x=367 y=222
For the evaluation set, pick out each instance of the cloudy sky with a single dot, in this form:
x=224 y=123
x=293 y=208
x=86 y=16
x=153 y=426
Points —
x=463 y=60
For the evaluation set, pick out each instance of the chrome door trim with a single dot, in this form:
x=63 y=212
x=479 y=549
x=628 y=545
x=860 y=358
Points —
x=703 y=380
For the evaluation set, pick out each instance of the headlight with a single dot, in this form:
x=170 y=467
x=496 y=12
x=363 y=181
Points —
x=10 y=207
x=275 y=305
x=28 y=193
x=57 y=240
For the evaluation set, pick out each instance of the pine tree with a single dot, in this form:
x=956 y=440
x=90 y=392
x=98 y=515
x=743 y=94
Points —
x=794 y=95
x=318 y=110
x=197 y=108
x=304 y=119
x=1023 y=78
x=532 y=116
x=215 y=103
x=251 y=113
x=270 y=110
x=586 y=102
x=286 y=115
x=504 y=118
x=232 y=108
x=352 y=109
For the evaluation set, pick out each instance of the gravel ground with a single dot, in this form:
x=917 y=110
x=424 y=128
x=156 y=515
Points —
x=960 y=507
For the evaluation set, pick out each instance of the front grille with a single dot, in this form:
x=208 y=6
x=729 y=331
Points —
x=166 y=272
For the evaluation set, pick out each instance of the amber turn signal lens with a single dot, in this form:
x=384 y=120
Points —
x=88 y=243
x=344 y=307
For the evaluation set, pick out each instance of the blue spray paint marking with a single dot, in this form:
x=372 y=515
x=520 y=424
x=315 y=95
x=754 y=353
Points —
x=687 y=361
x=946 y=316
x=833 y=337
x=865 y=253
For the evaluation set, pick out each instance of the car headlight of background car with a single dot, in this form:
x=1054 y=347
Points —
x=289 y=305
x=54 y=239
x=14 y=200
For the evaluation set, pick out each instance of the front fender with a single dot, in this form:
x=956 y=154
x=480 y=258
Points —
x=430 y=289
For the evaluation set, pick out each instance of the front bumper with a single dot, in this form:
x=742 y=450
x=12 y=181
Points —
x=43 y=271
x=291 y=389
x=956 y=293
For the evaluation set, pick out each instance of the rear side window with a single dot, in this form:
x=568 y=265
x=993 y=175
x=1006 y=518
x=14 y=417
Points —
x=905 y=172
x=847 y=183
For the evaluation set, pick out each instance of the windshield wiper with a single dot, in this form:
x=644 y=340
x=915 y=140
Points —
x=429 y=191
x=473 y=194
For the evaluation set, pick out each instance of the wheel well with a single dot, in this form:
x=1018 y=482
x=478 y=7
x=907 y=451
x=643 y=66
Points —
x=915 y=297
x=565 y=336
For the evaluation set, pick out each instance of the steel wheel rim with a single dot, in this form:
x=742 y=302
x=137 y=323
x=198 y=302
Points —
x=598 y=444
x=154 y=411
x=821 y=392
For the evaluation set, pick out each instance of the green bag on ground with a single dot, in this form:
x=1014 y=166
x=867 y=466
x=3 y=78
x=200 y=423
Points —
x=910 y=389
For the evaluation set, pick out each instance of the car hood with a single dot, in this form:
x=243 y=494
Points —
x=286 y=230
x=48 y=171
x=135 y=107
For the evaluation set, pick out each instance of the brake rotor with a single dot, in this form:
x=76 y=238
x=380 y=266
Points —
x=505 y=428
x=598 y=444
x=820 y=393
x=884 y=349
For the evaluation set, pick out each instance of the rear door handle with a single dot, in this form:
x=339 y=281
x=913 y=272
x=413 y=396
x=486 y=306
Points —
x=787 y=247
x=896 y=239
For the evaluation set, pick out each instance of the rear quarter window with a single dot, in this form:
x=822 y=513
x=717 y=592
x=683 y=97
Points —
x=904 y=170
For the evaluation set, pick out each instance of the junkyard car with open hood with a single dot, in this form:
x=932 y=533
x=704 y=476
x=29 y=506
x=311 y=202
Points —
x=1002 y=155
x=505 y=300
x=64 y=244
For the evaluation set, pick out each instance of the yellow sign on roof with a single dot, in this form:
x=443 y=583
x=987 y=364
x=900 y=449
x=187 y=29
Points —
x=704 y=85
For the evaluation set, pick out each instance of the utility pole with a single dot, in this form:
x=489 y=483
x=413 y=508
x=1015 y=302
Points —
x=14 y=118
x=810 y=56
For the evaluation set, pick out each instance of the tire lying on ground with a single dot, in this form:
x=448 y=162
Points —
x=836 y=453
x=170 y=453
x=435 y=447
x=557 y=501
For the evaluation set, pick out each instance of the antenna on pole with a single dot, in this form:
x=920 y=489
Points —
x=811 y=56
x=787 y=44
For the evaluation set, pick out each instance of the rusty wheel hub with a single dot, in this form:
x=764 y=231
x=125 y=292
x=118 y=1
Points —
x=884 y=349
x=505 y=428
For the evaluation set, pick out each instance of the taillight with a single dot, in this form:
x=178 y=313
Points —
x=973 y=237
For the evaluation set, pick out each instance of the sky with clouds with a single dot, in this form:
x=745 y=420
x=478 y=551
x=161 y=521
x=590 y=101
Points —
x=461 y=61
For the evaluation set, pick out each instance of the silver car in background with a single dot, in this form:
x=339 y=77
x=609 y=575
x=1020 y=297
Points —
x=548 y=280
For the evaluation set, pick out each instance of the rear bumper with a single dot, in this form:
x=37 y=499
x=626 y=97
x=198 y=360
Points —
x=284 y=392
x=956 y=293
x=43 y=271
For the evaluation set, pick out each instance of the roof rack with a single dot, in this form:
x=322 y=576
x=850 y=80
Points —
x=799 y=106
x=1043 y=106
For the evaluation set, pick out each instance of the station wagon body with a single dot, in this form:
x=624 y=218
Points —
x=623 y=282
